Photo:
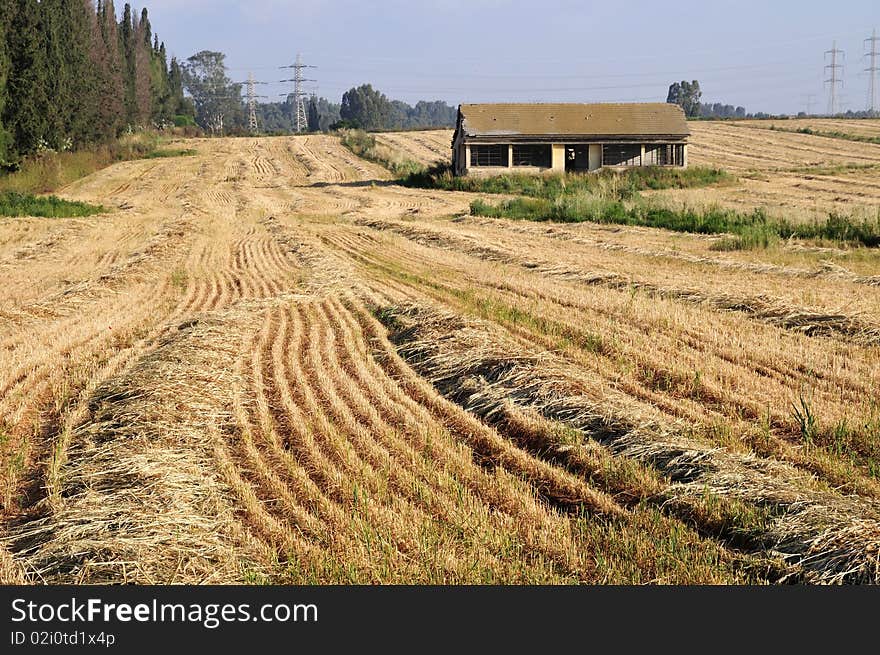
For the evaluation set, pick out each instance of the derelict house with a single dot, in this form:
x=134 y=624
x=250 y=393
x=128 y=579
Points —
x=502 y=138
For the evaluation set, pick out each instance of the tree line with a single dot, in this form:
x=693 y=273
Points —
x=361 y=107
x=220 y=108
x=370 y=109
x=73 y=73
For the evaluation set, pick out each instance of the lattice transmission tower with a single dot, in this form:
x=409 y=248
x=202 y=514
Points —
x=836 y=72
x=872 y=55
x=251 y=86
x=252 y=104
x=301 y=120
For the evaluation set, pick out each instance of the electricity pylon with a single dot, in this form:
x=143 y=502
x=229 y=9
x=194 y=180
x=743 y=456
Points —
x=301 y=121
x=872 y=70
x=836 y=78
x=252 y=96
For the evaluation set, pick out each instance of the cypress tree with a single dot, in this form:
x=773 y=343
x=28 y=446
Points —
x=142 y=75
x=162 y=102
x=58 y=108
x=25 y=113
x=6 y=15
x=146 y=28
x=175 y=81
x=66 y=30
x=79 y=19
x=109 y=67
x=127 y=41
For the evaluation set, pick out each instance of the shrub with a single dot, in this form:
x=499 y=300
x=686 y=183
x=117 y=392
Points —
x=184 y=121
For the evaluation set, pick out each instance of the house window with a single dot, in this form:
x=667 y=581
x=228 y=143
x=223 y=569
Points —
x=620 y=154
x=665 y=155
x=489 y=155
x=534 y=155
x=653 y=156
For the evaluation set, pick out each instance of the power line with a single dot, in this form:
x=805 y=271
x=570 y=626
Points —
x=872 y=70
x=299 y=96
x=836 y=72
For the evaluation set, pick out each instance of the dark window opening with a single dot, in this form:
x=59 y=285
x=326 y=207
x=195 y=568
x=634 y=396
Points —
x=489 y=155
x=577 y=158
x=622 y=155
x=534 y=155
x=664 y=155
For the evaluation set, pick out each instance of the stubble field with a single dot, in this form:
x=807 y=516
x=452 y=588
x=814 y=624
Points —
x=270 y=363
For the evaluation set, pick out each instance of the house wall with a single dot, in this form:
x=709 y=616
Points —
x=558 y=157
x=462 y=158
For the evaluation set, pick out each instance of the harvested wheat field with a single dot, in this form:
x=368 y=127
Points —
x=270 y=363
x=859 y=128
x=786 y=173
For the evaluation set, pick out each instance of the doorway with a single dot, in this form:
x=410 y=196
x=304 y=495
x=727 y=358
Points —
x=577 y=158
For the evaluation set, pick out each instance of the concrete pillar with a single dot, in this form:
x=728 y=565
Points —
x=684 y=157
x=467 y=158
x=642 y=157
x=595 y=159
x=510 y=156
x=558 y=157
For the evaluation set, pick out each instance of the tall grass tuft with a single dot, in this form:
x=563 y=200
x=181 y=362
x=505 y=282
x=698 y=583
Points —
x=13 y=203
x=364 y=145
x=48 y=171
x=748 y=230
x=607 y=183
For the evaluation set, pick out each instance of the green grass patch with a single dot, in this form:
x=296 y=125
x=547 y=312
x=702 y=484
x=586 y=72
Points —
x=364 y=145
x=747 y=230
x=618 y=185
x=830 y=134
x=13 y=203
x=48 y=171
x=171 y=152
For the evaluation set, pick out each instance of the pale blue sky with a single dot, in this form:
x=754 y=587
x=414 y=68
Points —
x=766 y=55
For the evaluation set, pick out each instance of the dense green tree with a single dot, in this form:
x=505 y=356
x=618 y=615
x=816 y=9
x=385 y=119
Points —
x=313 y=115
x=142 y=75
x=127 y=46
x=686 y=95
x=217 y=99
x=146 y=30
x=175 y=83
x=58 y=107
x=369 y=108
x=434 y=113
x=6 y=13
x=25 y=112
x=328 y=113
x=366 y=107
x=73 y=73
x=108 y=61
x=163 y=104
x=74 y=100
